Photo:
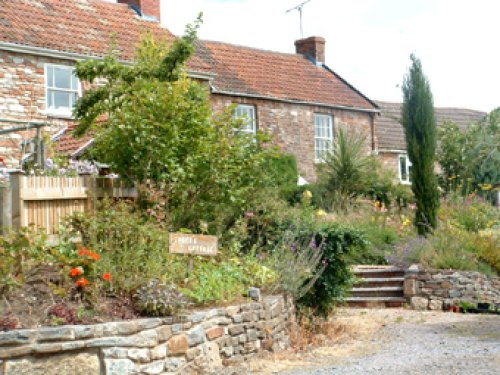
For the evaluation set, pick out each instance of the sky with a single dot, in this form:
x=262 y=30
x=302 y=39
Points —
x=369 y=42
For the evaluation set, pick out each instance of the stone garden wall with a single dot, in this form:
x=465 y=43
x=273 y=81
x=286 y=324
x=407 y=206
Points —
x=440 y=289
x=193 y=344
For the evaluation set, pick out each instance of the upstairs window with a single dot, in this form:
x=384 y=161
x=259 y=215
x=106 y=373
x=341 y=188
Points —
x=63 y=89
x=405 y=168
x=248 y=114
x=323 y=136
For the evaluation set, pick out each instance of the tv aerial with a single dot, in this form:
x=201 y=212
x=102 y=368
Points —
x=299 y=8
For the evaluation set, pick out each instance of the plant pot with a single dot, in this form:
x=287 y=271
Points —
x=483 y=307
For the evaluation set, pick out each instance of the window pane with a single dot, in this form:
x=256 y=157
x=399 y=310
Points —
x=402 y=168
x=74 y=82
x=409 y=173
x=61 y=100
x=50 y=76
x=62 y=78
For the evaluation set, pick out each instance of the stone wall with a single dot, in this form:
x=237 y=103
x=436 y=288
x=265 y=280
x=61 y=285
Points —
x=440 y=289
x=194 y=344
x=292 y=126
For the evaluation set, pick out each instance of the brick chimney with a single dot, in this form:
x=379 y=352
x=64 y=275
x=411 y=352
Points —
x=147 y=8
x=312 y=47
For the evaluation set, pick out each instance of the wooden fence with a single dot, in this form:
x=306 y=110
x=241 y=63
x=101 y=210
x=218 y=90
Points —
x=44 y=201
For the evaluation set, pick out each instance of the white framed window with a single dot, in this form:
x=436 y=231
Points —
x=323 y=136
x=405 y=168
x=62 y=89
x=248 y=114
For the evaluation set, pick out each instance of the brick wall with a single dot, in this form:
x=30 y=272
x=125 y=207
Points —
x=292 y=126
x=22 y=97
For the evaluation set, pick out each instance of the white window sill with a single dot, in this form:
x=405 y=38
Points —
x=62 y=115
x=404 y=182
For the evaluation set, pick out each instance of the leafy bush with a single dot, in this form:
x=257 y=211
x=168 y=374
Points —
x=19 y=253
x=471 y=213
x=282 y=172
x=225 y=279
x=335 y=280
x=132 y=248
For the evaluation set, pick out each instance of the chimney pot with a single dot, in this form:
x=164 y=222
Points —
x=312 y=47
x=148 y=8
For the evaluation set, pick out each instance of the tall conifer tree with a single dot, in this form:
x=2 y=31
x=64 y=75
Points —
x=417 y=115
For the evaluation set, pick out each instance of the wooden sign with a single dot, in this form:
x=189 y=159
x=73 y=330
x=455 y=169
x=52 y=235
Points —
x=193 y=244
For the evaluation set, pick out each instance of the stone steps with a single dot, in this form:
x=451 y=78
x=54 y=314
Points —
x=377 y=286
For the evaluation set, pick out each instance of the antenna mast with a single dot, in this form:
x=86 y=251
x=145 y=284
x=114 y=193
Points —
x=299 y=8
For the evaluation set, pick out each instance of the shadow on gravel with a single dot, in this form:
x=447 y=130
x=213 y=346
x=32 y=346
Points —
x=481 y=327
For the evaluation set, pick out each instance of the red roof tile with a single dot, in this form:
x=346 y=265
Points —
x=83 y=27
x=68 y=145
x=282 y=76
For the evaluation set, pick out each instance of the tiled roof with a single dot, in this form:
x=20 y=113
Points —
x=84 y=27
x=254 y=72
x=67 y=145
x=390 y=132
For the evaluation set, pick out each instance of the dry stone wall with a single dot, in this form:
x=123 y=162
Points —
x=199 y=343
x=440 y=289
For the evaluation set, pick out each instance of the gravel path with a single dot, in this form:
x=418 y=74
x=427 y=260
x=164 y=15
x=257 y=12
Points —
x=434 y=344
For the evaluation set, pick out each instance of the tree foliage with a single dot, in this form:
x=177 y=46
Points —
x=470 y=158
x=155 y=127
x=419 y=124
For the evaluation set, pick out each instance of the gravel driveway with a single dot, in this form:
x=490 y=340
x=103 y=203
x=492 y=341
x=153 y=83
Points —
x=390 y=342
x=424 y=343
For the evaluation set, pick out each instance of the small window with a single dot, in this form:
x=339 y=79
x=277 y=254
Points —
x=63 y=89
x=323 y=136
x=405 y=168
x=247 y=113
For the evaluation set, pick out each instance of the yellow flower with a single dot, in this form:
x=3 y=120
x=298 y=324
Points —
x=406 y=222
x=376 y=204
x=486 y=187
x=307 y=194
x=320 y=213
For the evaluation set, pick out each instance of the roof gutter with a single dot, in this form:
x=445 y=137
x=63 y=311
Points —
x=291 y=101
x=47 y=52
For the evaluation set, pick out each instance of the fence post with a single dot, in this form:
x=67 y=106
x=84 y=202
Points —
x=5 y=208
x=16 y=202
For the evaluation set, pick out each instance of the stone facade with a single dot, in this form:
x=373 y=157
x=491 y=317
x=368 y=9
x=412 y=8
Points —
x=440 y=289
x=22 y=97
x=198 y=343
x=292 y=126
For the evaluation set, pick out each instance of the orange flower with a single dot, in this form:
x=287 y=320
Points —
x=83 y=282
x=95 y=256
x=107 y=276
x=84 y=251
x=77 y=271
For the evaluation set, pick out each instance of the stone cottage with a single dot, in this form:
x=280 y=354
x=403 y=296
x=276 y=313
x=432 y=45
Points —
x=296 y=97
x=391 y=137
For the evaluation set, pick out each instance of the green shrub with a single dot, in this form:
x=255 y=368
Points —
x=282 y=172
x=333 y=283
x=132 y=248
x=19 y=253
x=225 y=279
